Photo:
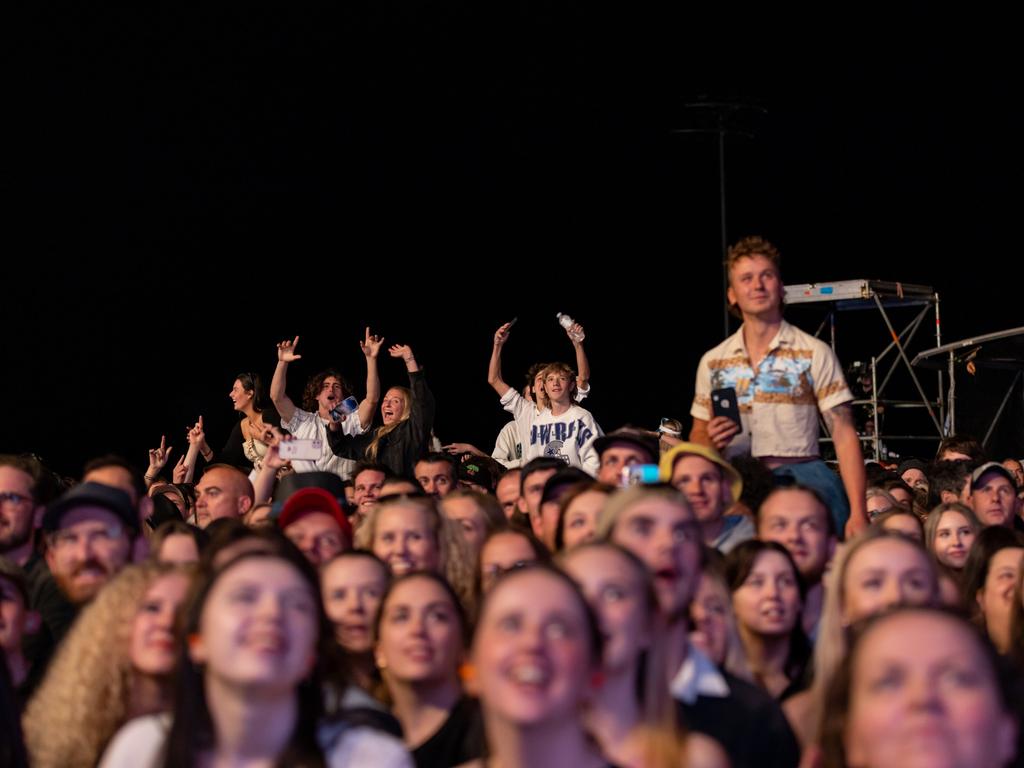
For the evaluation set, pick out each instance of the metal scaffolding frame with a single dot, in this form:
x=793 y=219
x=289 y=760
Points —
x=969 y=353
x=854 y=295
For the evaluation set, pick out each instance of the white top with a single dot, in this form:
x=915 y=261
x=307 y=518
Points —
x=508 y=451
x=569 y=437
x=140 y=741
x=508 y=447
x=309 y=426
x=780 y=400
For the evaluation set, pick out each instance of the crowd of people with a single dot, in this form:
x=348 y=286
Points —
x=334 y=587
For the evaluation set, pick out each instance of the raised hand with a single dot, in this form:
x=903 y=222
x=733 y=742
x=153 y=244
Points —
x=180 y=471
x=575 y=333
x=271 y=435
x=158 y=457
x=273 y=459
x=371 y=345
x=501 y=335
x=286 y=351
x=196 y=435
x=403 y=351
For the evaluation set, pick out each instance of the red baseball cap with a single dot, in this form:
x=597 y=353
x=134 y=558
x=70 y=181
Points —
x=308 y=500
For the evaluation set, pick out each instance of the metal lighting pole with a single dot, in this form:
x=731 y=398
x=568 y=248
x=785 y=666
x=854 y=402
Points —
x=722 y=118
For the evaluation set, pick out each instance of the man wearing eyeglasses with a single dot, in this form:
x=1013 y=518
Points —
x=25 y=487
x=89 y=533
x=18 y=508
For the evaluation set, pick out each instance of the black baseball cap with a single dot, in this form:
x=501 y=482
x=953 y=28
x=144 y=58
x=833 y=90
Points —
x=112 y=499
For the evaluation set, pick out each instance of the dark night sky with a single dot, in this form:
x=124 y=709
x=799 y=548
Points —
x=188 y=188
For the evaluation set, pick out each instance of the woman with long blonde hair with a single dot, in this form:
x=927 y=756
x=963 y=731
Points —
x=408 y=416
x=115 y=664
x=409 y=534
x=874 y=571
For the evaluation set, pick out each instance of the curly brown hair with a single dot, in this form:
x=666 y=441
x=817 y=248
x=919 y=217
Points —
x=316 y=383
x=748 y=247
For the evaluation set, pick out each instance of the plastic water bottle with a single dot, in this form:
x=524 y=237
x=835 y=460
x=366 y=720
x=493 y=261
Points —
x=344 y=408
x=567 y=322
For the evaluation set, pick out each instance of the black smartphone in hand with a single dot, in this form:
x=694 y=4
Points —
x=723 y=403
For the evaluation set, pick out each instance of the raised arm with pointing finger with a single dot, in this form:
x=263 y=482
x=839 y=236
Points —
x=494 y=367
x=157 y=460
x=371 y=348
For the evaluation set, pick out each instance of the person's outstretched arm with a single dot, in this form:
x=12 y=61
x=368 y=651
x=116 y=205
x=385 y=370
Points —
x=157 y=460
x=263 y=487
x=285 y=355
x=371 y=348
x=422 y=408
x=196 y=446
x=582 y=363
x=494 y=368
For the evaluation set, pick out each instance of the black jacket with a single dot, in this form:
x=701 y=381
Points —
x=748 y=723
x=401 y=448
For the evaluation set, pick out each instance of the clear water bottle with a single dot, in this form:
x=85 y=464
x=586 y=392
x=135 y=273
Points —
x=567 y=322
x=344 y=408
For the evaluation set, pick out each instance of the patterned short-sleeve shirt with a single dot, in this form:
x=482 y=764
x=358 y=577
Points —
x=779 y=402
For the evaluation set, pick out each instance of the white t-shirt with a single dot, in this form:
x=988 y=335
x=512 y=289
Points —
x=508 y=448
x=508 y=451
x=569 y=436
x=140 y=742
x=309 y=426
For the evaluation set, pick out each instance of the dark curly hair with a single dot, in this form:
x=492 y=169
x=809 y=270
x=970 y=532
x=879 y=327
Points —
x=316 y=383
